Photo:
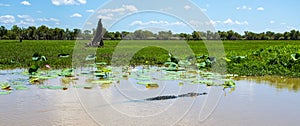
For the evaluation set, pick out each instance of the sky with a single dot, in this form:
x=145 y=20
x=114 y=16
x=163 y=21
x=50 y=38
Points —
x=175 y=15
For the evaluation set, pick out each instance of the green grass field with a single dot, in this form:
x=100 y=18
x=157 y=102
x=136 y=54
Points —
x=276 y=61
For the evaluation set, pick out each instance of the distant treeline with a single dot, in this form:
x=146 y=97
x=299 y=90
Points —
x=45 y=33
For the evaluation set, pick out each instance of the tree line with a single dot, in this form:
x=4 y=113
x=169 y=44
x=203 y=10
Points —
x=45 y=33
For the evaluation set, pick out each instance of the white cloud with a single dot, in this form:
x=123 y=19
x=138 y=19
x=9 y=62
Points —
x=231 y=22
x=4 y=5
x=26 y=18
x=161 y=23
x=76 y=15
x=166 y=9
x=89 y=23
x=56 y=21
x=26 y=3
x=90 y=11
x=25 y=23
x=244 y=7
x=42 y=19
x=106 y=17
x=272 y=22
x=130 y=8
x=228 y=21
x=187 y=7
x=82 y=1
x=241 y=23
x=290 y=28
x=7 y=19
x=68 y=2
x=212 y=22
x=283 y=23
x=260 y=9
x=23 y=16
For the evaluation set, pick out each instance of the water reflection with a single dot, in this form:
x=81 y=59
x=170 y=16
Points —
x=281 y=83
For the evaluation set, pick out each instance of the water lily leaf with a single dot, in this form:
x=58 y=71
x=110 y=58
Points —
x=90 y=57
x=63 y=55
x=5 y=92
x=152 y=86
x=229 y=84
x=101 y=63
x=33 y=69
x=42 y=87
x=101 y=75
x=201 y=65
x=55 y=87
x=102 y=82
x=88 y=87
x=21 y=87
x=144 y=78
x=295 y=56
x=146 y=82
x=5 y=86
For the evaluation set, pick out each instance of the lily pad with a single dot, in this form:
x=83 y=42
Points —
x=146 y=82
x=295 y=56
x=102 y=82
x=55 y=87
x=21 y=87
x=42 y=87
x=5 y=86
x=152 y=86
x=88 y=87
x=229 y=84
x=5 y=92
x=90 y=57
x=51 y=87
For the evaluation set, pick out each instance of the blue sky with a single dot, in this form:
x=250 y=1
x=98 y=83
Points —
x=238 y=15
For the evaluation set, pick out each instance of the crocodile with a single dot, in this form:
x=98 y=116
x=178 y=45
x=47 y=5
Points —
x=167 y=97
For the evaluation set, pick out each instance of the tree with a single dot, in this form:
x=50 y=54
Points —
x=286 y=35
x=16 y=32
x=294 y=34
x=278 y=36
x=138 y=34
x=76 y=34
x=223 y=35
x=164 y=35
x=87 y=34
x=118 y=36
x=109 y=35
x=124 y=34
x=68 y=34
x=31 y=33
x=270 y=35
x=196 y=35
x=3 y=31
x=42 y=32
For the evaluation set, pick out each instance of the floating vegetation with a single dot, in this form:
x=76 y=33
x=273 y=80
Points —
x=91 y=57
x=33 y=69
x=63 y=55
x=88 y=87
x=5 y=92
x=274 y=60
x=52 y=87
x=5 y=86
x=21 y=87
x=295 y=56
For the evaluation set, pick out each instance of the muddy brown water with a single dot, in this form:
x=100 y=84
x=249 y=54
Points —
x=255 y=101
